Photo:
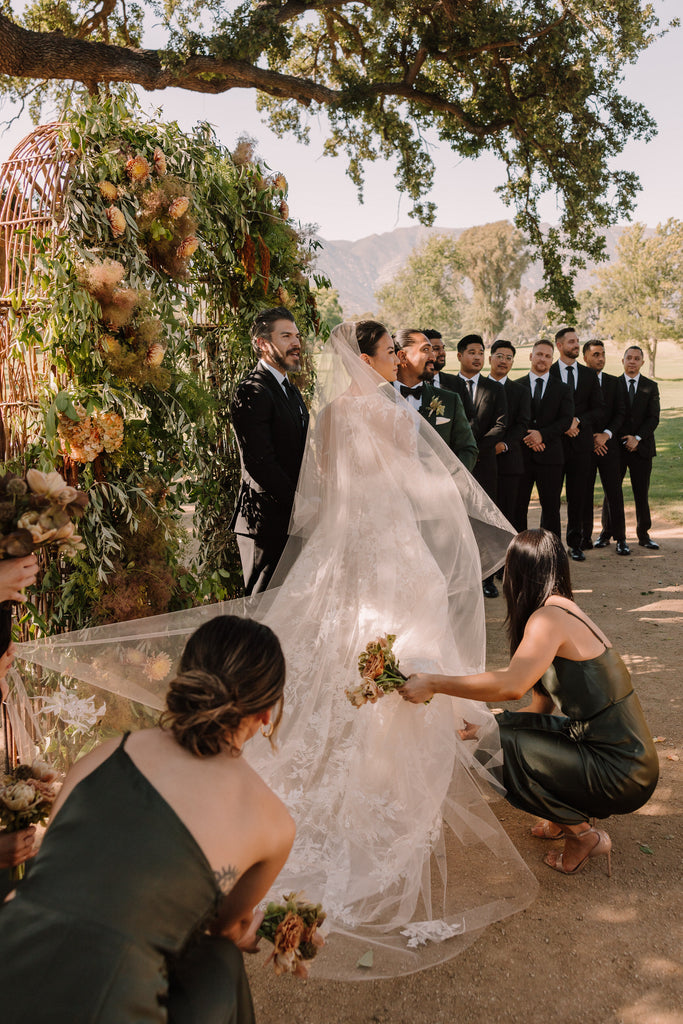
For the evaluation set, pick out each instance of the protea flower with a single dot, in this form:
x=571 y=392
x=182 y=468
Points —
x=155 y=355
x=108 y=191
x=159 y=161
x=187 y=247
x=117 y=221
x=280 y=183
x=178 y=207
x=137 y=169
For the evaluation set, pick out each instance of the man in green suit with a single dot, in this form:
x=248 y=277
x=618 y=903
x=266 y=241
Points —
x=443 y=409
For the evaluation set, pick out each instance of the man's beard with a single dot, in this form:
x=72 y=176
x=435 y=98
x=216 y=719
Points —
x=428 y=374
x=281 y=361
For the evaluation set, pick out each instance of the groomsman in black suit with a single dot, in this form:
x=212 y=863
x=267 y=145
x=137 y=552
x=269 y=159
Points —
x=552 y=413
x=606 y=450
x=509 y=457
x=449 y=381
x=270 y=422
x=488 y=422
x=641 y=419
x=589 y=414
x=414 y=382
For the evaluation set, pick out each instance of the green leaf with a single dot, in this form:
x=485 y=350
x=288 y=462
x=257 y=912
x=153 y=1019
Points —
x=645 y=849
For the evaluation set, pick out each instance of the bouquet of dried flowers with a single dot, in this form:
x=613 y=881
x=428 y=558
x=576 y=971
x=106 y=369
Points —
x=36 y=510
x=292 y=927
x=27 y=794
x=378 y=668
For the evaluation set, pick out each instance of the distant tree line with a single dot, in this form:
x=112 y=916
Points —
x=474 y=284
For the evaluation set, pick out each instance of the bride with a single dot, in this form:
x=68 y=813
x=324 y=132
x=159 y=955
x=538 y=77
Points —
x=389 y=535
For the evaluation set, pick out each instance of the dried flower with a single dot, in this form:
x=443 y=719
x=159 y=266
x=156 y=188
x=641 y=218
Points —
x=284 y=209
x=110 y=426
x=134 y=656
x=155 y=355
x=280 y=183
x=108 y=191
x=137 y=169
x=117 y=221
x=18 y=797
x=48 y=485
x=17 y=487
x=187 y=247
x=159 y=161
x=158 y=668
x=178 y=207
x=437 y=407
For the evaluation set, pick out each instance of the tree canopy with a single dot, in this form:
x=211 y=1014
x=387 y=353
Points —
x=639 y=297
x=536 y=82
x=494 y=259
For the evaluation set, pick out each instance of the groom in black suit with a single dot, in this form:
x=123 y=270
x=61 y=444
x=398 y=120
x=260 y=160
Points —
x=270 y=422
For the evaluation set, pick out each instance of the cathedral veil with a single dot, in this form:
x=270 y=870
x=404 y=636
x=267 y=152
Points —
x=389 y=534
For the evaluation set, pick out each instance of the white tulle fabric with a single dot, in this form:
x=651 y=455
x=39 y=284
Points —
x=395 y=835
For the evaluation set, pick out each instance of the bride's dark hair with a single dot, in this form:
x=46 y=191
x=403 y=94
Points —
x=231 y=667
x=368 y=334
x=536 y=567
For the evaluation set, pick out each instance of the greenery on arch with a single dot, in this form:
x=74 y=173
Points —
x=170 y=245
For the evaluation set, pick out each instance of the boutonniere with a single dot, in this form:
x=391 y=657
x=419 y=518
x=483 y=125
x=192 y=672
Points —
x=437 y=407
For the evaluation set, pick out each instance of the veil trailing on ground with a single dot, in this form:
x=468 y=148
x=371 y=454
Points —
x=389 y=534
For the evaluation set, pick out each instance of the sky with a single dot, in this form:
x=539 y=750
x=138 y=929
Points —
x=321 y=193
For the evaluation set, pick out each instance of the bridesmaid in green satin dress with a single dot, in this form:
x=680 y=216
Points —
x=596 y=757
x=160 y=846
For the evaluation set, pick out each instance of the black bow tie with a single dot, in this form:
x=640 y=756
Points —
x=411 y=392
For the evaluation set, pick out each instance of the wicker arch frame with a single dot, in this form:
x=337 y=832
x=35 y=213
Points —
x=33 y=184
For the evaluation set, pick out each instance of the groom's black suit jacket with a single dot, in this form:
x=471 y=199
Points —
x=270 y=434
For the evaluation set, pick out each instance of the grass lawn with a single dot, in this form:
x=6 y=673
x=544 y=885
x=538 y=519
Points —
x=666 y=488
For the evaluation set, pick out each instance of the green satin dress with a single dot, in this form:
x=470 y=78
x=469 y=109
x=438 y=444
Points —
x=595 y=759
x=108 y=927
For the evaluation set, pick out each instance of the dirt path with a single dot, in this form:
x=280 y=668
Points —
x=591 y=949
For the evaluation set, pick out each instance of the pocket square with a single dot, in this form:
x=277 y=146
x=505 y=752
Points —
x=440 y=420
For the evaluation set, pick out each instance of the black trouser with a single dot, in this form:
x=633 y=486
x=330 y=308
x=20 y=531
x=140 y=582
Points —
x=259 y=559
x=640 y=470
x=610 y=477
x=548 y=480
x=576 y=476
x=508 y=492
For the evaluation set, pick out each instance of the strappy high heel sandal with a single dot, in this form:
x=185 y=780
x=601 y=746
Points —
x=602 y=847
x=541 y=830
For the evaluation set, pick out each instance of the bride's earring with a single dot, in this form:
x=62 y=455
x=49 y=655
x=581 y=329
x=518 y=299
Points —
x=267 y=730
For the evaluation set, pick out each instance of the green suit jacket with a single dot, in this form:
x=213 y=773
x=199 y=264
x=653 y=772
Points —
x=452 y=424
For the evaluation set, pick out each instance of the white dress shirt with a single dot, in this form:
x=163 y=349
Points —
x=475 y=382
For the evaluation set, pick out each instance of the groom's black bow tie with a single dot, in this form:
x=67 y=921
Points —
x=411 y=392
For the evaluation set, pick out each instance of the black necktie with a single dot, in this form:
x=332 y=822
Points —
x=293 y=397
x=631 y=392
x=538 y=393
x=470 y=388
x=411 y=392
x=570 y=378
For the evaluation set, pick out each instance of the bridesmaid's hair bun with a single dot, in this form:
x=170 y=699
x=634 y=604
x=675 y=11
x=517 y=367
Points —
x=230 y=668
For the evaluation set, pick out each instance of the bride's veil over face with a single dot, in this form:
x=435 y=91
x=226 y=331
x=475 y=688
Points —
x=389 y=534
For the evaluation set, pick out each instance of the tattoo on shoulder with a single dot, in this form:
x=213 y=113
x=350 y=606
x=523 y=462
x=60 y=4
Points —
x=225 y=878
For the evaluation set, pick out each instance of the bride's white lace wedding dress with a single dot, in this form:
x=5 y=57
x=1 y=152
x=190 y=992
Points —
x=395 y=835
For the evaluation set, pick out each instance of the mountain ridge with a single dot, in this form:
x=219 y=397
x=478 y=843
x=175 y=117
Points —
x=357 y=269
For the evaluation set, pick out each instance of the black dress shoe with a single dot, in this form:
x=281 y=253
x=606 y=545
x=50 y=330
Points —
x=602 y=541
x=490 y=590
x=649 y=544
x=577 y=555
x=623 y=548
